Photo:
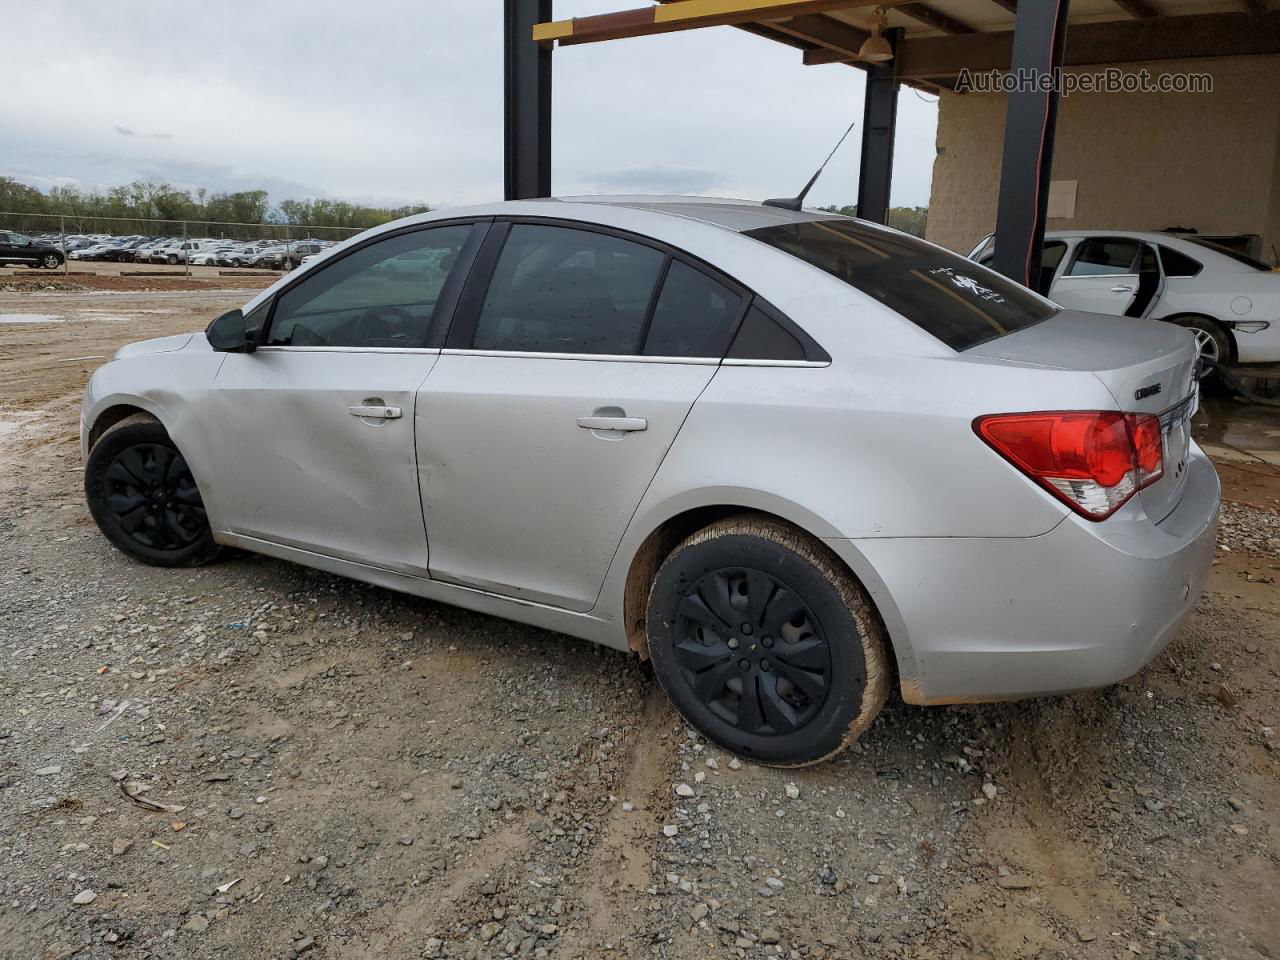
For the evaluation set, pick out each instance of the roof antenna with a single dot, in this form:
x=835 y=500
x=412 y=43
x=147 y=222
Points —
x=794 y=203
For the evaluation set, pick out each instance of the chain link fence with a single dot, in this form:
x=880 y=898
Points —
x=146 y=242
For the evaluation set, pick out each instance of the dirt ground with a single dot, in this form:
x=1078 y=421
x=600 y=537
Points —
x=79 y=269
x=258 y=760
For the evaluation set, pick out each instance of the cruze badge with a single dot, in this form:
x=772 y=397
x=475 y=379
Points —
x=1143 y=392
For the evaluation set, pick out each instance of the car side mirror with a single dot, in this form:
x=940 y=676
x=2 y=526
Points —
x=228 y=334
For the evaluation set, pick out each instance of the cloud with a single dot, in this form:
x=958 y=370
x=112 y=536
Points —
x=657 y=179
x=342 y=106
x=126 y=132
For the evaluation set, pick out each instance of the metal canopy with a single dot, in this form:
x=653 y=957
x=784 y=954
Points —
x=941 y=37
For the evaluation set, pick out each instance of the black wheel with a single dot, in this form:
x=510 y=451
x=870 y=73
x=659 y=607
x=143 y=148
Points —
x=50 y=261
x=171 y=260
x=765 y=643
x=143 y=497
x=1213 y=342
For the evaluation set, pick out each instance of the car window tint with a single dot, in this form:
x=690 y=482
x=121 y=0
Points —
x=694 y=315
x=762 y=338
x=1099 y=256
x=382 y=295
x=561 y=290
x=1235 y=255
x=1050 y=256
x=1178 y=264
x=954 y=299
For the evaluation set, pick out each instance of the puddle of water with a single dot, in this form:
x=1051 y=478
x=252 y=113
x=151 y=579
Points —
x=1238 y=431
x=31 y=318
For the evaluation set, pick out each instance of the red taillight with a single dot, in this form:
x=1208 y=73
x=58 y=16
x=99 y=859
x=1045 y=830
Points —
x=1094 y=461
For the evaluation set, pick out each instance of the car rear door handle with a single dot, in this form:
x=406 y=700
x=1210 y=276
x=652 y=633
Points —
x=1122 y=289
x=375 y=412
x=625 y=424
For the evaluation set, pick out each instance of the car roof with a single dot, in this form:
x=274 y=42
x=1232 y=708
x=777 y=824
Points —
x=736 y=215
x=1151 y=236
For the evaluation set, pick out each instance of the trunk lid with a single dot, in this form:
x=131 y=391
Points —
x=1146 y=365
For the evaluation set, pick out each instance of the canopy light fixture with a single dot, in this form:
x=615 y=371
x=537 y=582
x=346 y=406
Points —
x=876 y=49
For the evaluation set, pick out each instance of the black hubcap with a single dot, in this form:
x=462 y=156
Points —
x=752 y=651
x=153 y=497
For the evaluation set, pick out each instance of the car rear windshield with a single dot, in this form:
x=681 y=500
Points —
x=954 y=299
x=1235 y=255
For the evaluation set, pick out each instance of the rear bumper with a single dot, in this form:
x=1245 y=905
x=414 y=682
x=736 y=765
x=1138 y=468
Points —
x=1084 y=605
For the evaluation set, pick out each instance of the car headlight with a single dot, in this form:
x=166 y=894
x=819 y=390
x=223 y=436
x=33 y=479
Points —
x=1251 y=326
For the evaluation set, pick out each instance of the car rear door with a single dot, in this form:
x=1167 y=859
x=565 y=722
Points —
x=312 y=434
x=1101 y=277
x=576 y=355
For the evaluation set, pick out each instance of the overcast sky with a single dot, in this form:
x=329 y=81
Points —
x=399 y=101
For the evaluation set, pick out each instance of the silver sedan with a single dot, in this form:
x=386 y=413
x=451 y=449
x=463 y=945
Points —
x=792 y=458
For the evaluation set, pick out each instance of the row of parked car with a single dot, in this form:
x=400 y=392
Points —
x=196 y=251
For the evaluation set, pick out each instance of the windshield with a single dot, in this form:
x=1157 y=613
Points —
x=1235 y=255
x=954 y=299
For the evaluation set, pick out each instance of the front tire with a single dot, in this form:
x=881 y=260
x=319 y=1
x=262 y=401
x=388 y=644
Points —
x=765 y=643
x=144 y=498
x=51 y=261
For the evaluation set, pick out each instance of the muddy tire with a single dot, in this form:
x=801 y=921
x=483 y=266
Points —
x=144 y=498
x=765 y=643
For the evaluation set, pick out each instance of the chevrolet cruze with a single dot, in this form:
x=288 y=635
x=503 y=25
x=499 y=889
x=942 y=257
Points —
x=794 y=459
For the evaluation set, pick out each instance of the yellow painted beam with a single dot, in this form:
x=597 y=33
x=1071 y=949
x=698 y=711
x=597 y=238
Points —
x=555 y=30
x=684 y=15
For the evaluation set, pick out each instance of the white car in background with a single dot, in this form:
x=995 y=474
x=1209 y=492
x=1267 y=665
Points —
x=1231 y=301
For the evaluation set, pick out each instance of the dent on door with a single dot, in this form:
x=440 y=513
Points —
x=531 y=468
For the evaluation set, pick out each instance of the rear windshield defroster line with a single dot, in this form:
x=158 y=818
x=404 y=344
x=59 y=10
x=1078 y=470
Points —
x=954 y=299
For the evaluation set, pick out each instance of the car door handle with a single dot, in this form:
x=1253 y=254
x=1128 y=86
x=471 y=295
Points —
x=613 y=423
x=376 y=412
x=1122 y=289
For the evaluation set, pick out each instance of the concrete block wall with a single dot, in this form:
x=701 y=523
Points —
x=1142 y=161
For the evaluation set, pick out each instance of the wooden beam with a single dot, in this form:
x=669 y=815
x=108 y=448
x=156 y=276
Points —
x=1010 y=5
x=1138 y=9
x=932 y=18
x=684 y=15
x=825 y=32
x=1192 y=37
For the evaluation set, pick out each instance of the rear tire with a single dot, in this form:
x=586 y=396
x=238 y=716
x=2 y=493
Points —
x=144 y=498
x=765 y=643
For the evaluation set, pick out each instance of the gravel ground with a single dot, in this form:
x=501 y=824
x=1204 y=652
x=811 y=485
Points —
x=258 y=760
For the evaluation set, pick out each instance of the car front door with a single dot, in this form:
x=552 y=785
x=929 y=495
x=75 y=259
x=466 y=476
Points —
x=15 y=248
x=1101 y=277
x=311 y=435
x=570 y=368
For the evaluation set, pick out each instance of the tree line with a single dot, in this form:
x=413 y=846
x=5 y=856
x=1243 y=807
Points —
x=88 y=211
x=910 y=220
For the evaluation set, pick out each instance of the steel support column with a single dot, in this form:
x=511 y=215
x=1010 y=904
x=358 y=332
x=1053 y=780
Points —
x=1030 y=118
x=879 y=118
x=527 y=99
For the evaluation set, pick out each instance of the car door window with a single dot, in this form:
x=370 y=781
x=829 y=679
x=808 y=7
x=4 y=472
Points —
x=381 y=295
x=1052 y=255
x=1104 y=256
x=564 y=290
x=1178 y=264
x=694 y=315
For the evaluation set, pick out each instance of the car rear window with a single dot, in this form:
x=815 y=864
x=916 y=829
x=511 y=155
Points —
x=954 y=299
x=1235 y=255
